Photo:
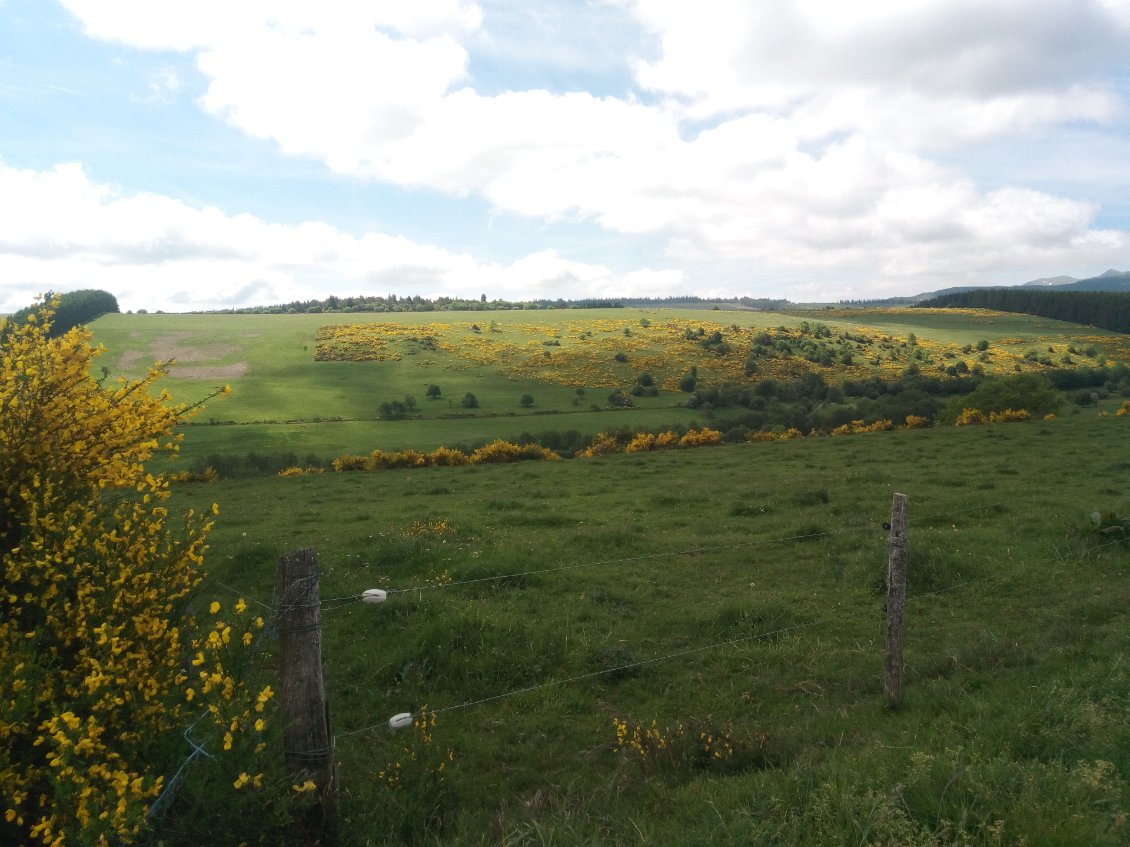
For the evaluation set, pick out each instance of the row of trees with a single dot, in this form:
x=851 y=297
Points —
x=416 y=303
x=1103 y=309
x=63 y=312
x=395 y=410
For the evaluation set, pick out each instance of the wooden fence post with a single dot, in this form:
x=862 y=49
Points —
x=896 y=601
x=307 y=744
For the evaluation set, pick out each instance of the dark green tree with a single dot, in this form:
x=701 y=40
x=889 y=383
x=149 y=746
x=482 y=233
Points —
x=620 y=399
x=689 y=380
x=392 y=410
x=75 y=308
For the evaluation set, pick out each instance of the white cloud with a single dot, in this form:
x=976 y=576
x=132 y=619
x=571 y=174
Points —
x=59 y=231
x=788 y=133
x=729 y=53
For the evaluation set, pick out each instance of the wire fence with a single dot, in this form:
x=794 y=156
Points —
x=333 y=604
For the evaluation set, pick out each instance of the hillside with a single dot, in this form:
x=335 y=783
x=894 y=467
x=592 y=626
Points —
x=316 y=384
x=1108 y=310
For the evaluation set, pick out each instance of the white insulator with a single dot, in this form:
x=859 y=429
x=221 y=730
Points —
x=374 y=595
x=400 y=721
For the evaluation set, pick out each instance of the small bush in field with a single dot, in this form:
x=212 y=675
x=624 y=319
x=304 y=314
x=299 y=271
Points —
x=641 y=443
x=447 y=457
x=704 y=437
x=603 y=445
x=352 y=462
x=503 y=451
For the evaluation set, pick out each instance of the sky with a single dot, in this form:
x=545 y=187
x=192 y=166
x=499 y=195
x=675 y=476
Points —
x=205 y=155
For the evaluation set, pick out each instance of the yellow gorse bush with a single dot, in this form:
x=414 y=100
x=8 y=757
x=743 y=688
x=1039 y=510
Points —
x=496 y=452
x=975 y=417
x=581 y=353
x=94 y=630
x=856 y=427
x=606 y=444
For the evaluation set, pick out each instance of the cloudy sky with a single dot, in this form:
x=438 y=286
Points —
x=209 y=153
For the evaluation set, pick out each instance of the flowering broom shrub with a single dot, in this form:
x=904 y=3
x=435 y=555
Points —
x=605 y=444
x=96 y=643
x=975 y=417
x=642 y=442
x=502 y=452
x=705 y=437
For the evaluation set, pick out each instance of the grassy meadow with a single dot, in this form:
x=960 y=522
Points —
x=678 y=647
x=313 y=384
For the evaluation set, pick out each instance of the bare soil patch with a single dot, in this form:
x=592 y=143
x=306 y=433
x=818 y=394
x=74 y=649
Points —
x=189 y=361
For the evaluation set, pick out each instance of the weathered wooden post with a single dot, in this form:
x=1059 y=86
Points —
x=308 y=745
x=896 y=601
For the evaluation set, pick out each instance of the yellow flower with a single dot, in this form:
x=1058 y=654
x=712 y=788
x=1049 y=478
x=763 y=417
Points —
x=214 y=608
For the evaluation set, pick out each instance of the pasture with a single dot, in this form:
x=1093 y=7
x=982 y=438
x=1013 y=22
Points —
x=686 y=647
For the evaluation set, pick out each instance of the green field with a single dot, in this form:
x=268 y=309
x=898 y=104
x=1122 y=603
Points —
x=686 y=646
x=285 y=399
x=735 y=591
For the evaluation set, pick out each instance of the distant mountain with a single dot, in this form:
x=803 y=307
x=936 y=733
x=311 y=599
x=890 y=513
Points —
x=1111 y=280
x=1052 y=281
x=942 y=292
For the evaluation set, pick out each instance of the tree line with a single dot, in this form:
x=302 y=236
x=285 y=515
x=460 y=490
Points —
x=416 y=303
x=75 y=308
x=1101 y=309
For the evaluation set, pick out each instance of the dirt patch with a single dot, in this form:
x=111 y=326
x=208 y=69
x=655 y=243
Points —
x=189 y=362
